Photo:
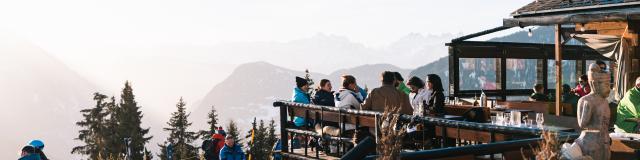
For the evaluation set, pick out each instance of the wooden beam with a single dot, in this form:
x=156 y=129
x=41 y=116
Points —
x=601 y=26
x=558 y=51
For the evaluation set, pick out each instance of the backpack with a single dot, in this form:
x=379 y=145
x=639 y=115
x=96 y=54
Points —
x=210 y=148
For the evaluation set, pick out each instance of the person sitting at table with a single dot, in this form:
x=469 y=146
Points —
x=583 y=88
x=400 y=83
x=570 y=98
x=435 y=104
x=347 y=96
x=419 y=96
x=300 y=95
x=629 y=107
x=538 y=94
x=387 y=97
x=323 y=95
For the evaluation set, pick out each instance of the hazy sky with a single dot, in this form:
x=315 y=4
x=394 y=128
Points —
x=94 y=36
x=67 y=24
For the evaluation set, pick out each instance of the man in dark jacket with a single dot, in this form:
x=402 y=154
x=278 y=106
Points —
x=231 y=151
x=324 y=95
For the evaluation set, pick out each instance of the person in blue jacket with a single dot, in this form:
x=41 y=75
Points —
x=231 y=151
x=301 y=95
x=29 y=153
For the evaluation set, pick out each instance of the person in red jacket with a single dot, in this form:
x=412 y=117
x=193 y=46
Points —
x=212 y=147
x=582 y=89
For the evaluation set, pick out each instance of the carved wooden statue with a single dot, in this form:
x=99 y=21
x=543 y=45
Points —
x=593 y=116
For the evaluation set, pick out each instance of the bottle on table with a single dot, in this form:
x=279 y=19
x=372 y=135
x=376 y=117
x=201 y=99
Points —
x=475 y=100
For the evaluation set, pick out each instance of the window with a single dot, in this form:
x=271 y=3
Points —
x=478 y=73
x=521 y=73
x=569 y=73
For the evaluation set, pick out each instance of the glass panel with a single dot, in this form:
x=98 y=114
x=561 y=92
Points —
x=569 y=73
x=478 y=73
x=521 y=73
x=517 y=98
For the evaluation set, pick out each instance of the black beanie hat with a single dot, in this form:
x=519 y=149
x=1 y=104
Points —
x=301 y=82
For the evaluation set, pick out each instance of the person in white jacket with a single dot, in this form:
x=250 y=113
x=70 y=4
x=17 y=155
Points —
x=348 y=96
x=418 y=96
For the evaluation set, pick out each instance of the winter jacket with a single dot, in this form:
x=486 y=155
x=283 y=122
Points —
x=539 y=97
x=387 y=96
x=582 y=90
x=211 y=147
x=362 y=92
x=232 y=153
x=322 y=97
x=436 y=103
x=404 y=88
x=33 y=156
x=348 y=99
x=629 y=107
x=300 y=96
x=419 y=100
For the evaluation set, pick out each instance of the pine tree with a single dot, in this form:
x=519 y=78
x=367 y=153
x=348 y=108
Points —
x=213 y=124
x=232 y=130
x=180 y=137
x=271 y=134
x=94 y=133
x=114 y=145
x=129 y=119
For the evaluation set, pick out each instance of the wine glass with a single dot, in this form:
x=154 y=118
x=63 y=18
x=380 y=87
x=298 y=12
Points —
x=539 y=119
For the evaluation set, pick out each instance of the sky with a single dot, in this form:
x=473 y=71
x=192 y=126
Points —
x=65 y=24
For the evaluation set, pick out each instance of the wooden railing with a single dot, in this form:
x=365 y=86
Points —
x=450 y=133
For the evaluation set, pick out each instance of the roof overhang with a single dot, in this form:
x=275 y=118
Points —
x=611 y=15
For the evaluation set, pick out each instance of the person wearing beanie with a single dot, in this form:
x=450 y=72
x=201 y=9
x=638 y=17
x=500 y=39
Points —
x=29 y=153
x=39 y=146
x=301 y=95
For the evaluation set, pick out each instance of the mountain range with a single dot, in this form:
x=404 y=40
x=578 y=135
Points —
x=41 y=99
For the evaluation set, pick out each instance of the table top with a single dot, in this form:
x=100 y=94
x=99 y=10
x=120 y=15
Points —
x=549 y=128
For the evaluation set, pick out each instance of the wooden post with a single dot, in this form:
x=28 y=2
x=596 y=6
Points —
x=558 y=68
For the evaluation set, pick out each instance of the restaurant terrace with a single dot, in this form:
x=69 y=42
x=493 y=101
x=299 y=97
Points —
x=600 y=30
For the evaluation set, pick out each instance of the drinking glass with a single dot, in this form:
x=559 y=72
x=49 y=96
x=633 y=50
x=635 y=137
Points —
x=529 y=123
x=507 y=119
x=539 y=119
x=499 y=117
x=494 y=120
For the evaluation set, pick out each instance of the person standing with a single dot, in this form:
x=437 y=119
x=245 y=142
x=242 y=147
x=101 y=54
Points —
x=323 y=95
x=39 y=147
x=29 y=153
x=231 y=151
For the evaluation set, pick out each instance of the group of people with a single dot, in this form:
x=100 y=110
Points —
x=416 y=97
x=569 y=95
x=222 y=147
x=33 y=151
